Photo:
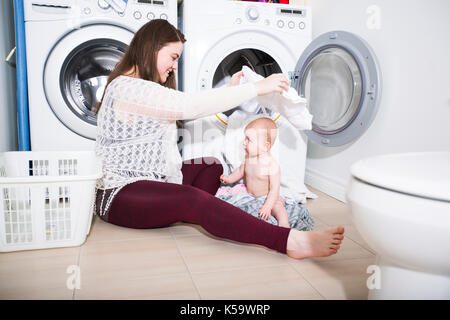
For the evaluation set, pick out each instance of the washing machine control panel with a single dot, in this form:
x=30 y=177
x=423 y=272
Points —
x=151 y=9
x=132 y=12
x=252 y=14
x=102 y=4
x=287 y=18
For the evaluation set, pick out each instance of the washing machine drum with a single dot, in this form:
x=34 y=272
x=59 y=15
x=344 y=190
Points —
x=257 y=60
x=84 y=75
x=76 y=73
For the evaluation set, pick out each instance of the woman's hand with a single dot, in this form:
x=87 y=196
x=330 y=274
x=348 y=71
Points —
x=235 y=79
x=276 y=82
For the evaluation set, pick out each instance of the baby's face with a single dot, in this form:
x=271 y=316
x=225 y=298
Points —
x=255 y=141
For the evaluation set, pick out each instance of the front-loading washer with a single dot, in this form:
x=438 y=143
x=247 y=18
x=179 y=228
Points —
x=337 y=72
x=72 y=46
x=223 y=36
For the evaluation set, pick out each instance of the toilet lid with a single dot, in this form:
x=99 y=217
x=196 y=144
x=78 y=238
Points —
x=424 y=174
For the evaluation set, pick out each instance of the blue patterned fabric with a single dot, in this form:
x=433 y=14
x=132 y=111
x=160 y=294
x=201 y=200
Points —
x=299 y=217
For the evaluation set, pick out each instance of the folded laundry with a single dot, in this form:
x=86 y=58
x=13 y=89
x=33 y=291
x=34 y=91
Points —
x=289 y=104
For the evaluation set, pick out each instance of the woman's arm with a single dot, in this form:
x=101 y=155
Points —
x=209 y=102
x=137 y=96
x=142 y=97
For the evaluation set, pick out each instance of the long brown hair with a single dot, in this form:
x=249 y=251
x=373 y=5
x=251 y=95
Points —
x=142 y=53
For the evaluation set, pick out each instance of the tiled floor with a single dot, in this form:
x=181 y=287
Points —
x=185 y=262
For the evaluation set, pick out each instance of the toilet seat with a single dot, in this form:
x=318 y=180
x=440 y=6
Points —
x=400 y=205
x=422 y=174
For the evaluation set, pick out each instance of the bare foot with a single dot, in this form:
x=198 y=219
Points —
x=307 y=244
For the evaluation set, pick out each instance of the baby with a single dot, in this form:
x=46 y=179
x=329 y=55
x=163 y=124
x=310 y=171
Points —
x=260 y=170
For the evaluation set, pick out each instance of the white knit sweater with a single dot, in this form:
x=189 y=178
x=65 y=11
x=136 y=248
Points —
x=137 y=133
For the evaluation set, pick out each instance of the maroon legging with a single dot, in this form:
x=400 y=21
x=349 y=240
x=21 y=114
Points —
x=152 y=204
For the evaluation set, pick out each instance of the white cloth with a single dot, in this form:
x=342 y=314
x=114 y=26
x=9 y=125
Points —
x=289 y=104
x=289 y=150
x=137 y=133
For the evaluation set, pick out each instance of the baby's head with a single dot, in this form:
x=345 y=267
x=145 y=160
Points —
x=260 y=135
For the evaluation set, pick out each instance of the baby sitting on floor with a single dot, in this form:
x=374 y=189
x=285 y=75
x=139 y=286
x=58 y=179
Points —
x=261 y=172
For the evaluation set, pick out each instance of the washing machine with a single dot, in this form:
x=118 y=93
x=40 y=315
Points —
x=337 y=72
x=222 y=36
x=72 y=46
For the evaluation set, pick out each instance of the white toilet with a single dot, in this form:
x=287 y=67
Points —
x=400 y=204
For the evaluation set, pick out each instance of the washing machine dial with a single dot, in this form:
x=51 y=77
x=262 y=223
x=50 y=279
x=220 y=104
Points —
x=102 y=4
x=252 y=14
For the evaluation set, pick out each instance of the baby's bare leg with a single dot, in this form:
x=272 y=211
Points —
x=280 y=213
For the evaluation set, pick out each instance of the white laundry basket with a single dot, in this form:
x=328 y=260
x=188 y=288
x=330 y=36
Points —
x=46 y=198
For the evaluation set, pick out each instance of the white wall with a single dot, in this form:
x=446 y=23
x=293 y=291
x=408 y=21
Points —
x=8 y=113
x=413 y=49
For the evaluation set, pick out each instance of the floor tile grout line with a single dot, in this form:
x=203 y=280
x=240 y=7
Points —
x=227 y=241
x=360 y=246
x=345 y=259
x=128 y=239
x=302 y=276
x=239 y=268
x=279 y=264
x=185 y=263
x=355 y=241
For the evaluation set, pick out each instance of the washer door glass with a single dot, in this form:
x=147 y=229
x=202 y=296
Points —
x=339 y=76
x=332 y=77
x=84 y=75
x=76 y=72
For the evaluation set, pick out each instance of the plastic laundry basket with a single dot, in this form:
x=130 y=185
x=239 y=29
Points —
x=46 y=198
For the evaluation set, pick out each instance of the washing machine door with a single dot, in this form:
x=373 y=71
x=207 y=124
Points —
x=339 y=75
x=76 y=72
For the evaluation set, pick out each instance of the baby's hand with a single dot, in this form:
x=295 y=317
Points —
x=224 y=179
x=265 y=212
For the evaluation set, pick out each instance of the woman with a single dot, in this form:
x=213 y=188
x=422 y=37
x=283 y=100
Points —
x=145 y=184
